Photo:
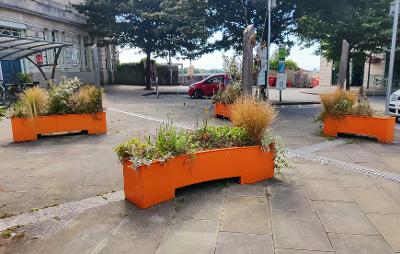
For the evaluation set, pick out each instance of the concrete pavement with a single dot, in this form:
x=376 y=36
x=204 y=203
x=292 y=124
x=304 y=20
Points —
x=311 y=207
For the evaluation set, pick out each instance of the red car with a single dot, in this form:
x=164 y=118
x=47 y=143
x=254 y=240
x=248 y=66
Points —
x=208 y=86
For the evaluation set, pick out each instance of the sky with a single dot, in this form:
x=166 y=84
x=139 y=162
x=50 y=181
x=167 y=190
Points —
x=304 y=57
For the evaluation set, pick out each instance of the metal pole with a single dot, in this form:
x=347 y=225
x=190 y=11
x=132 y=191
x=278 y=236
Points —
x=268 y=47
x=392 y=55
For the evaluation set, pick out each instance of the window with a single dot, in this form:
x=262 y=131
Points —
x=10 y=31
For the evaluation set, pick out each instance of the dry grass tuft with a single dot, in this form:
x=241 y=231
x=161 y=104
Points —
x=88 y=99
x=342 y=103
x=339 y=103
x=34 y=102
x=253 y=115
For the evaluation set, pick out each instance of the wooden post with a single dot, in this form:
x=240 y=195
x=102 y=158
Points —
x=344 y=64
x=247 y=70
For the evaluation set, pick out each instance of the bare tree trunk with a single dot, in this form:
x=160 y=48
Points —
x=344 y=60
x=247 y=69
x=148 y=71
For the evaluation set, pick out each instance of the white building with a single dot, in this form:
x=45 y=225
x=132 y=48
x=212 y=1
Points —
x=56 y=21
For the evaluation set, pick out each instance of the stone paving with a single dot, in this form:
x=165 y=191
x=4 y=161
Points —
x=309 y=208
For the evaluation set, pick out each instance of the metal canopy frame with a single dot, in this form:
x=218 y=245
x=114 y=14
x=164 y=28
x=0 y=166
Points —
x=16 y=48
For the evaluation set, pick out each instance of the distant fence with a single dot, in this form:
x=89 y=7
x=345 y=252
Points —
x=134 y=74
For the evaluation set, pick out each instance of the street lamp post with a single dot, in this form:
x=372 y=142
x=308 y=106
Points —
x=394 y=11
x=271 y=4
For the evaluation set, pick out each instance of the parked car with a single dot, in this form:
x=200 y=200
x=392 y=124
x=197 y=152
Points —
x=394 y=106
x=208 y=86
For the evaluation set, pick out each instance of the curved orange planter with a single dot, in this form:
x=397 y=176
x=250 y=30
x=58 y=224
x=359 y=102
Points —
x=156 y=183
x=381 y=128
x=28 y=129
x=222 y=110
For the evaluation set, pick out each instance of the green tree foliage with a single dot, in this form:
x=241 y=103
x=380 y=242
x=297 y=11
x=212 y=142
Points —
x=158 y=27
x=289 y=63
x=365 y=24
x=231 y=17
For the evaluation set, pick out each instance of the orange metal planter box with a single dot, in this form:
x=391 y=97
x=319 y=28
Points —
x=156 y=183
x=222 y=110
x=381 y=128
x=28 y=129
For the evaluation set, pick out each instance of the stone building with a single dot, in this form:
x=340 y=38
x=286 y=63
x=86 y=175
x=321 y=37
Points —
x=56 y=21
x=369 y=75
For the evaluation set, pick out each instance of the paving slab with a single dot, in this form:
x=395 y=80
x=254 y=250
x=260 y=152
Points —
x=299 y=230
x=84 y=233
x=374 y=200
x=155 y=220
x=327 y=190
x=239 y=243
x=201 y=202
x=389 y=226
x=292 y=251
x=360 y=244
x=344 y=217
x=246 y=215
x=138 y=244
x=190 y=236
x=315 y=171
x=287 y=197
x=357 y=181
x=248 y=190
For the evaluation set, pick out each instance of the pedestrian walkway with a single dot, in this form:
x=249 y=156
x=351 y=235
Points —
x=66 y=193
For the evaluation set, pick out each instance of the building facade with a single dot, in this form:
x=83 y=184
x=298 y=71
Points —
x=371 y=74
x=56 y=21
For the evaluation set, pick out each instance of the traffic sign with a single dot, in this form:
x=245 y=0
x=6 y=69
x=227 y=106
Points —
x=281 y=81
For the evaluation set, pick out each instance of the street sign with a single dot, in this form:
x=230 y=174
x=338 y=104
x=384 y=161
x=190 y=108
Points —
x=262 y=55
x=281 y=81
x=281 y=67
x=282 y=53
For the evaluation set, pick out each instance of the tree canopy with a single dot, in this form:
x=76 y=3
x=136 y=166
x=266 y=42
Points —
x=365 y=24
x=158 y=27
x=231 y=17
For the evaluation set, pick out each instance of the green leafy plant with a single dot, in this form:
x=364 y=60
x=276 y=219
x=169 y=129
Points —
x=61 y=94
x=209 y=137
x=269 y=141
x=3 y=113
x=88 y=99
x=229 y=95
x=24 y=77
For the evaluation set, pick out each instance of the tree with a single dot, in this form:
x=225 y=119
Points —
x=159 y=27
x=231 y=17
x=364 y=24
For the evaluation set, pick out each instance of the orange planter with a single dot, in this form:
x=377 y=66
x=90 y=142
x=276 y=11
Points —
x=381 y=128
x=222 y=110
x=28 y=129
x=156 y=183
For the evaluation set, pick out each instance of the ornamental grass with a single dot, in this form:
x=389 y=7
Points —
x=253 y=115
x=342 y=103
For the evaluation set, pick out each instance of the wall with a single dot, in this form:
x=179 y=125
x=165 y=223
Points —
x=325 y=73
x=377 y=74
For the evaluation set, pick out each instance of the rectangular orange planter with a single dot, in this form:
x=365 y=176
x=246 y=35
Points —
x=222 y=110
x=381 y=128
x=156 y=183
x=28 y=129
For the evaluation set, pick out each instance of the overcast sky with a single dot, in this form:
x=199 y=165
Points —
x=304 y=57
